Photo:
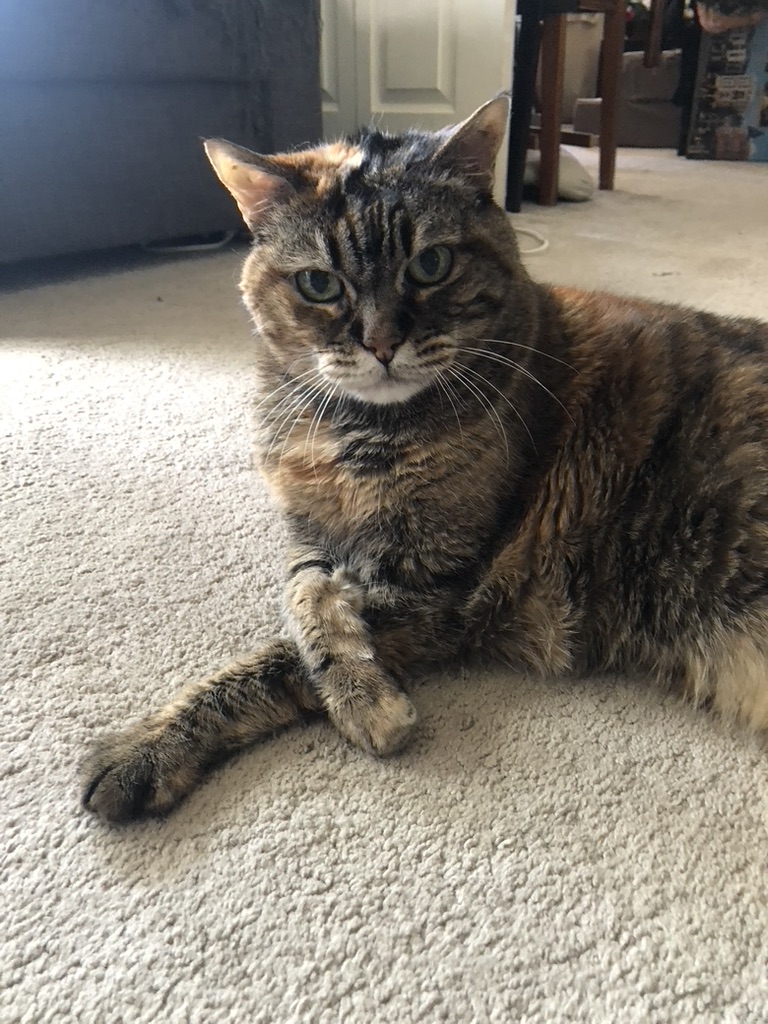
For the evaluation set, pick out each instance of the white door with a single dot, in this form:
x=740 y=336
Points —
x=412 y=63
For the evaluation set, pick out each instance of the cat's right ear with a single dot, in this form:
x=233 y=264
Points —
x=472 y=146
x=255 y=181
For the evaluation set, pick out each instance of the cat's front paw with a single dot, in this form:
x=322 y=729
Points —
x=133 y=775
x=380 y=725
x=344 y=586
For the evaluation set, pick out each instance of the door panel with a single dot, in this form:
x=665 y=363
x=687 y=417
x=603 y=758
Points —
x=402 y=64
x=412 y=58
x=337 y=68
x=425 y=63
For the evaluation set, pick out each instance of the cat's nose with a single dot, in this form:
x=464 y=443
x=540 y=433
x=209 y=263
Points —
x=383 y=349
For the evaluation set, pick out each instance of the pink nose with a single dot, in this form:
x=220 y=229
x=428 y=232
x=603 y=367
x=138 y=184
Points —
x=384 y=350
x=383 y=346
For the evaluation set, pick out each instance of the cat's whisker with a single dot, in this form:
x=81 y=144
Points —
x=296 y=402
x=495 y=357
x=313 y=380
x=506 y=398
x=299 y=382
x=509 y=402
x=341 y=403
x=300 y=403
x=444 y=387
x=530 y=348
x=320 y=414
x=484 y=401
x=312 y=426
x=287 y=384
x=297 y=418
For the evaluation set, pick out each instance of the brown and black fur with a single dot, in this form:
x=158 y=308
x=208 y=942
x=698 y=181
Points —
x=579 y=482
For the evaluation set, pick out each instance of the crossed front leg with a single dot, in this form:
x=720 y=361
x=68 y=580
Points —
x=365 y=704
x=330 y=665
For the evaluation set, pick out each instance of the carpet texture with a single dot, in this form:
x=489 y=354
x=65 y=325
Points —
x=582 y=852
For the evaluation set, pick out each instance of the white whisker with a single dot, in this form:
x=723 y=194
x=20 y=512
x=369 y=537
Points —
x=495 y=357
x=529 y=348
x=511 y=405
x=319 y=417
x=294 y=399
x=296 y=421
x=484 y=401
x=445 y=388
x=315 y=378
x=298 y=405
x=287 y=384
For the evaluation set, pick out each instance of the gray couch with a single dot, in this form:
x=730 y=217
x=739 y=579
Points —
x=102 y=106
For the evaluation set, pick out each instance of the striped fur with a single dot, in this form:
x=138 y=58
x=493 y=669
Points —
x=569 y=482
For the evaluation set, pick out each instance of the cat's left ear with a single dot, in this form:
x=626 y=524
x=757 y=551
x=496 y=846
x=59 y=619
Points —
x=473 y=145
x=255 y=181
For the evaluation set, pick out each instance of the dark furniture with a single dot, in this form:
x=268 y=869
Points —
x=103 y=104
x=668 y=19
x=541 y=41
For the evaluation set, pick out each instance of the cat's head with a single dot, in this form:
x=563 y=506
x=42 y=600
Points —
x=375 y=259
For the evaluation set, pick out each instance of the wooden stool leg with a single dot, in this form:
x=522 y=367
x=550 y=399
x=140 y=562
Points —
x=611 y=57
x=652 y=57
x=552 y=76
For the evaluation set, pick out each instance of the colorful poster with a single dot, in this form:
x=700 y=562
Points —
x=730 y=112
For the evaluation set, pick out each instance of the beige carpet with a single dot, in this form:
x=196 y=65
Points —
x=541 y=853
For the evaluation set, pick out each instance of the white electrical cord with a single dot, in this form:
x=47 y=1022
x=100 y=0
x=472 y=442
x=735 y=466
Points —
x=541 y=247
x=180 y=249
x=229 y=235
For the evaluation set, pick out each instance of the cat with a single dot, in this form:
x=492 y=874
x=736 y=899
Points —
x=470 y=463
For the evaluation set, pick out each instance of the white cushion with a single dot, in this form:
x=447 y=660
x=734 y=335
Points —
x=574 y=182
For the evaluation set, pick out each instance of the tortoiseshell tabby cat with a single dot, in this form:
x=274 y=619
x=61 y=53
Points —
x=469 y=461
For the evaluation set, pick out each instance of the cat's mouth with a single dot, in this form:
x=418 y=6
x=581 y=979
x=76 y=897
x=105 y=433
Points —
x=370 y=381
x=378 y=384
x=387 y=390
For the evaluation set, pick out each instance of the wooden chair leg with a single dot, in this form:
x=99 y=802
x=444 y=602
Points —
x=652 y=56
x=523 y=93
x=611 y=57
x=552 y=75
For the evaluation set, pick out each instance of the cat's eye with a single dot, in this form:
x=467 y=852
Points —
x=318 y=285
x=430 y=266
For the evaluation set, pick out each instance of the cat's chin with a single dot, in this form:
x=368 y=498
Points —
x=385 y=392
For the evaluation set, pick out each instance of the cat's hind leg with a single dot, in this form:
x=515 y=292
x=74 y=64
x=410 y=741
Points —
x=150 y=767
x=732 y=677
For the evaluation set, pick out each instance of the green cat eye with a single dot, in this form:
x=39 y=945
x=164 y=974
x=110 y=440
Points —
x=431 y=265
x=318 y=285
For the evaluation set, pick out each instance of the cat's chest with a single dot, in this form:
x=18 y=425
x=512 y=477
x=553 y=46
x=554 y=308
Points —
x=378 y=497
x=342 y=486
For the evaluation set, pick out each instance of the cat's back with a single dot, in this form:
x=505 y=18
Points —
x=644 y=363
x=661 y=479
x=596 y=323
